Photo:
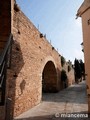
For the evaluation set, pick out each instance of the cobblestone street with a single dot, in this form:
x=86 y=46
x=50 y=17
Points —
x=71 y=100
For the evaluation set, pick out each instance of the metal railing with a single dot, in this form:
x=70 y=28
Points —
x=5 y=62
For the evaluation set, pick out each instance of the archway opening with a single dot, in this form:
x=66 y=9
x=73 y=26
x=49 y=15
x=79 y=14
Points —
x=49 y=78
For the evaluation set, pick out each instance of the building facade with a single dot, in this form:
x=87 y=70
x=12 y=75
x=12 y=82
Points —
x=84 y=13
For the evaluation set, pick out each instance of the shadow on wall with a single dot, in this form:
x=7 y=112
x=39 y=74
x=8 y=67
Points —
x=16 y=65
x=61 y=84
x=59 y=80
x=58 y=116
x=22 y=86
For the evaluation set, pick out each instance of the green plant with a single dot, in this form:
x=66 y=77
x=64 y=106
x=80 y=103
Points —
x=77 y=68
x=62 y=61
x=63 y=75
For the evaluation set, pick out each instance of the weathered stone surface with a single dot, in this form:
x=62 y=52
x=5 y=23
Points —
x=72 y=100
x=30 y=55
x=2 y=113
x=70 y=73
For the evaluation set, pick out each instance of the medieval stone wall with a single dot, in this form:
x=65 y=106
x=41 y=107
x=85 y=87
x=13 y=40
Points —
x=69 y=73
x=31 y=55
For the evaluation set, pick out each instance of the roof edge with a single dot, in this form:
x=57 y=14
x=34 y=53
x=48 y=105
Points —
x=83 y=8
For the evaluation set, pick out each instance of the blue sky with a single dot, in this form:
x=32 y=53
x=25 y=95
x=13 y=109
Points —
x=56 y=19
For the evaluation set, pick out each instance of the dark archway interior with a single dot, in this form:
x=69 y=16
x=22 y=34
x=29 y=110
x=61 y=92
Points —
x=49 y=78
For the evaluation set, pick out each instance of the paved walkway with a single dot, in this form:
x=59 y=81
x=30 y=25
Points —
x=71 y=100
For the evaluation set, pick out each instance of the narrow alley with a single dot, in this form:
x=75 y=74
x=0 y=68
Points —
x=71 y=100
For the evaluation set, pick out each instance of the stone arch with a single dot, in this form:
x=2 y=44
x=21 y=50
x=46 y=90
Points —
x=49 y=76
